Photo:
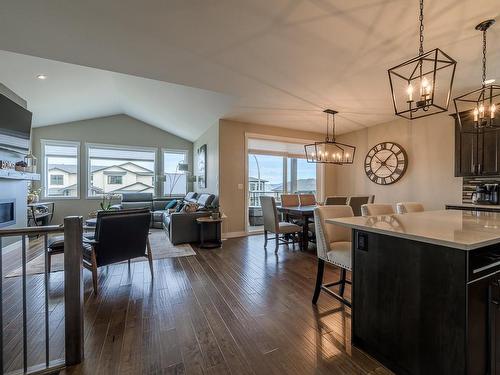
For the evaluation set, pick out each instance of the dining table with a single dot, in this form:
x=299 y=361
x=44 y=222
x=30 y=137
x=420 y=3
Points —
x=305 y=214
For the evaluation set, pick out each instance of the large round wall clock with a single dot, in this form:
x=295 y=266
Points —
x=386 y=163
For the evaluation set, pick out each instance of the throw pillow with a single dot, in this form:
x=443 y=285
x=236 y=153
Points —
x=190 y=207
x=171 y=204
x=180 y=206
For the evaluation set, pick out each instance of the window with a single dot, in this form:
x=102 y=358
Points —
x=120 y=169
x=56 y=179
x=174 y=163
x=60 y=167
x=116 y=180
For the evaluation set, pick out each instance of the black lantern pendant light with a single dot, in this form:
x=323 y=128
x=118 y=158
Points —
x=422 y=86
x=478 y=107
x=330 y=151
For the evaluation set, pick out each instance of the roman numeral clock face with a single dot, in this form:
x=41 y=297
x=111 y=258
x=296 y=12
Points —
x=386 y=163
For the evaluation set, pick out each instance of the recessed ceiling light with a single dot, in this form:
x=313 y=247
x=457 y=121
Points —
x=489 y=81
x=41 y=76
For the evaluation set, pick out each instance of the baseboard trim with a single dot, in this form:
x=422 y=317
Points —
x=234 y=235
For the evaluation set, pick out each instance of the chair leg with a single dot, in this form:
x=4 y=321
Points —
x=342 y=281
x=94 y=272
x=319 y=280
x=265 y=239
x=150 y=256
x=49 y=262
x=277 y=244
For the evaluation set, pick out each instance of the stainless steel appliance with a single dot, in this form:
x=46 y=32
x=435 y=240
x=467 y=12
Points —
x=485 y=194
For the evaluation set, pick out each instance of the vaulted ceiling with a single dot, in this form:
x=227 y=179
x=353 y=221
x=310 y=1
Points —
x=276 y=62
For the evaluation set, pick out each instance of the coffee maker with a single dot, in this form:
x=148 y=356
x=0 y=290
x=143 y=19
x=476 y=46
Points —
x=485 y=194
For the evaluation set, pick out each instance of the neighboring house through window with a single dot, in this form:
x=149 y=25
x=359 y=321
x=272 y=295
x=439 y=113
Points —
x=115 y=180
x=60 y=165
x=120 y=169
x=56 y=179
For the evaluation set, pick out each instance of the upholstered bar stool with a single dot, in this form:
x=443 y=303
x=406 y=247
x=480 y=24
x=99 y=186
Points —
x=406 y=207
x=333 y=244
x=357 y=201
x=373 y=209
x=273 y=225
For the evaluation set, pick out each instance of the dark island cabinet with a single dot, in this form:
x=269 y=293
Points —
x=477 y=153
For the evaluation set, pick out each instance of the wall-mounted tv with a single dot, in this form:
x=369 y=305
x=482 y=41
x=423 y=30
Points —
x=15 y=125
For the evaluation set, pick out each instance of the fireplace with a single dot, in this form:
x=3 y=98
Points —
x=7 y=212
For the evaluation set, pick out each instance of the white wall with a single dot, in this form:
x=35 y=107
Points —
x=211 y=139
x=430 y=145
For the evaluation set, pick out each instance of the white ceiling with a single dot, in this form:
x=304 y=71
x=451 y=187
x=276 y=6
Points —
x=277 y=62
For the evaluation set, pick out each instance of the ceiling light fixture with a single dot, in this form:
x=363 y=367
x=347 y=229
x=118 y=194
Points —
x=330 y=151
x=422 y=85
x=41 y=76
x=479 y=105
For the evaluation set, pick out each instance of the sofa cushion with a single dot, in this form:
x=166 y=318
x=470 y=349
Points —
x=158 y=215
x=190 y=195
x=136 y=205
x=179 y=207
x=205 y=199
x=137 y=197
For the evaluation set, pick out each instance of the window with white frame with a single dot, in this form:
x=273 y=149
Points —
x=120 y=169
x=60 y=168
x=175 y=164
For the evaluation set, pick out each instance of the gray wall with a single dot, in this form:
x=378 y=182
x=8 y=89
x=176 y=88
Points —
x=114 y=130
x=211 y=139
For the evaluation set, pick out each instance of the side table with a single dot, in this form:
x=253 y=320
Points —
x=207 y=222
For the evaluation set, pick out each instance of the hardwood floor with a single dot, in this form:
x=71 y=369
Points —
x=235 y=310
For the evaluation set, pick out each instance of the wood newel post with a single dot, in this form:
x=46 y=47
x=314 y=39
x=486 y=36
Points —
x=73 y=289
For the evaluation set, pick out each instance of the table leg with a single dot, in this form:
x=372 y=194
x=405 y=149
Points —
x=202 y=238
x=305 y=234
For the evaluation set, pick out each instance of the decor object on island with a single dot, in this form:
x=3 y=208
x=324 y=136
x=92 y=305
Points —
x=329 y=151
x=430 y=74
x=386 y=163
x=106 y=201
x=479 y=105
x=202 y=167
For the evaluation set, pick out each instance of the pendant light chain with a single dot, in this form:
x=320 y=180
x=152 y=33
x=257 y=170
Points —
x=484 y=58
x=421 y=18
x=333 y=128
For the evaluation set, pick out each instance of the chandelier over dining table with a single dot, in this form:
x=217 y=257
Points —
x=422 y=85
x=330 y=151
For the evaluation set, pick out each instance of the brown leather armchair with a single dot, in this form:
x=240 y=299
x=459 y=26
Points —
x=119 y=236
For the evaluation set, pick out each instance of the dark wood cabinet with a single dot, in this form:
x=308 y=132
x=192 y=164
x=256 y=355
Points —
x=476 y=153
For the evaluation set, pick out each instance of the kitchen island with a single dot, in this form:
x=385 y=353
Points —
x=426 y=291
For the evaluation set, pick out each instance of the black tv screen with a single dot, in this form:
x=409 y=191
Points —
x=15 y=125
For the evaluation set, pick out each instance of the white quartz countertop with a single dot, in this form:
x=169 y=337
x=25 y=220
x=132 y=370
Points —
x=458 y=229
x=471 y=205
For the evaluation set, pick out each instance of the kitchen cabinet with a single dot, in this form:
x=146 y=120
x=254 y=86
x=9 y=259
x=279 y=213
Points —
x=476 y=153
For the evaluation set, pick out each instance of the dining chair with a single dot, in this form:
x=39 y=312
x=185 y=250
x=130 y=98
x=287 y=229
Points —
x=290 y=200
x=307 y=199
x=335 y=200
x=333 y=244
x=372 y=209
x=357 y=201
x=119 y=236
x=281 y=229
x=406 y=207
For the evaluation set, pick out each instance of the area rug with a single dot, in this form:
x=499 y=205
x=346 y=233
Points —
x=161 y=247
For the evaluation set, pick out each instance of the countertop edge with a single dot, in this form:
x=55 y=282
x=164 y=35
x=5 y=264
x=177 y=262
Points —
x=433 y=241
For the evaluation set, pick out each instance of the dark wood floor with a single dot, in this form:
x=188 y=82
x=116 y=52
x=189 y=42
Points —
x=235 y=310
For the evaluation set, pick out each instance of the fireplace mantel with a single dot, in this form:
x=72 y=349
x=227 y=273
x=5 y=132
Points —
x=15 y=175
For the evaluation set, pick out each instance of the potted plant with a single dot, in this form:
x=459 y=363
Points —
x=33 y=194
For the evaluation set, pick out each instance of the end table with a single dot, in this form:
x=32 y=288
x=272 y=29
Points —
x=206 y=222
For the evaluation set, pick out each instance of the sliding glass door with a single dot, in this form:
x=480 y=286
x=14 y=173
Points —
x=273 y=175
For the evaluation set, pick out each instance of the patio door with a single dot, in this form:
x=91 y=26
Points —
x=275 y=168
